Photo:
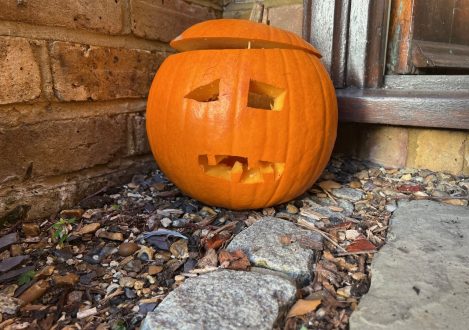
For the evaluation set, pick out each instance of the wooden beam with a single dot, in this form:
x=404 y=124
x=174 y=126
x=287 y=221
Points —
x=406 y=108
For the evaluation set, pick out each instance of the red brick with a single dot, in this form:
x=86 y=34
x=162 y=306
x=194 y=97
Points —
x=164 y=20
x=83 y=72
x=102 y=16
x=57 y=147
x=20 y=78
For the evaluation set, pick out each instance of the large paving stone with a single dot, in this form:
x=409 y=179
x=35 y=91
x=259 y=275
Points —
x=262 y=244
x=224 y=300
x=420 y=277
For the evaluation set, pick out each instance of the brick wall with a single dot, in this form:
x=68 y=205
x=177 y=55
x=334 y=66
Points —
x=74 y=78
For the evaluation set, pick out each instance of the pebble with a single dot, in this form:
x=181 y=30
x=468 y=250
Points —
x=348 y=194
x=179 y=223
x=154 y=269
x=166 y=222
x=133 y=266
x=129 y=293
x=351 y=234
x=113 y=264
x=127 y=282
x=138 y=285
x=292 y=209
x=127 y=249
x=112 y=287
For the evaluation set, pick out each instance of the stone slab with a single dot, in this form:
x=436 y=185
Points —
x=261 y=243
x=420 y=277
x=224 y=300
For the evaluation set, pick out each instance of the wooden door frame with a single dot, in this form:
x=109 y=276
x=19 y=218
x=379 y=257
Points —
x=355 y=56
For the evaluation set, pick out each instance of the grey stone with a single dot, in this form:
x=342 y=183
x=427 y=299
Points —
x=350 y=194
x=261 y=243
x=345 y=204
x=224 y=300
x=420 y=277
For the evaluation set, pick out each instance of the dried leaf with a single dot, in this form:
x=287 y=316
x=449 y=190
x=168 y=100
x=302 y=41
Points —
x=236 y=260
x=216 y=241
x=302 y=307
x=329 y=185
x=361 y=245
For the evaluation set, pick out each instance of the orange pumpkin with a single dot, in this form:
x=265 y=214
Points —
x=244 y=117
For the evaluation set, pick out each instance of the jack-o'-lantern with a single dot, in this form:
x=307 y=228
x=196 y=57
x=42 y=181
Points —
x=245 y=116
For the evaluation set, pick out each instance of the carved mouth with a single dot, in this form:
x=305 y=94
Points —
x=240 y=169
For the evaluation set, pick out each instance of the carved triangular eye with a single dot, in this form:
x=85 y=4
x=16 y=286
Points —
x=205 y=93
x=264 y=96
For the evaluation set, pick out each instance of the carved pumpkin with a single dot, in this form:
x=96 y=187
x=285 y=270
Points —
x=244 y=117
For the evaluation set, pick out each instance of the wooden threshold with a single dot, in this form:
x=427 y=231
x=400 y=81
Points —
x=406 y=108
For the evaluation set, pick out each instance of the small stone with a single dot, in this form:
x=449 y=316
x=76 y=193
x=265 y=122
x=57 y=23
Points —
x=74 y=297
x=73 y=213
x=223 y=300
x=127 y=282
x=292 y=209
x=31 y=229
x=133 y=266
x=166 y=222
x=69 y=279
x=129 y=293
x=391 y=207
x=114 y=264
x=111 y=288
x=110 y=236
x=179 y=278
x=351 y=234
x=16 y=250
x=88 y=229
x=350 y=194
x=138 y=285
x=154 y=269
x=127 y=249
x=180 y=223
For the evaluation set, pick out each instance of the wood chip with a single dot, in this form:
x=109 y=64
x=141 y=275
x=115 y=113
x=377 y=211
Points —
x=302 y=307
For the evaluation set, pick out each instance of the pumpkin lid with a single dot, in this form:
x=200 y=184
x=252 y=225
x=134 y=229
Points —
x=237 y=34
